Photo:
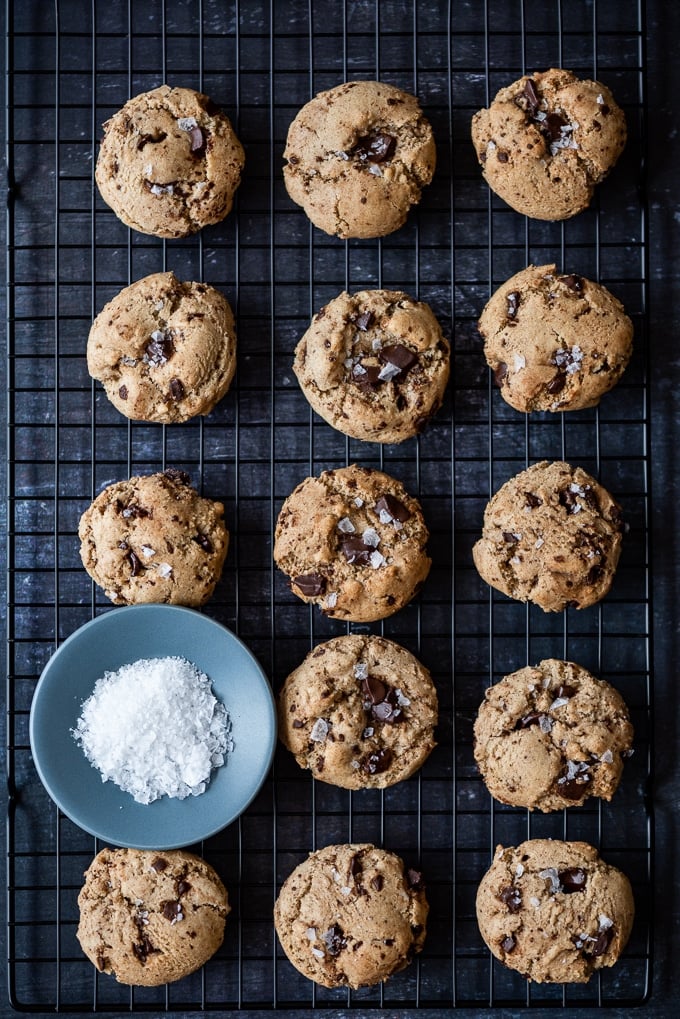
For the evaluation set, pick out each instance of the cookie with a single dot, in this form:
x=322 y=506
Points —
x=552 y=536
x=169 y=162
x=164 y=350
x=353 y=542
x=351 y=915
x=150 y=917
x=551 y=736
x=547 y=140
x=555 y=342
x=154 y=539
x=374 y=365
x=554 y=911
x=358 y=157
x=359 y=712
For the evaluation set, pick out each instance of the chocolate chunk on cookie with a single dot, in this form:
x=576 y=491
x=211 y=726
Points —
x=374 y=365
x=351 y=915
x=169 y=162
x=154 y=539
x=164 y=350
x=358 y=157
x=359 y=712
x=353 y=541
x=552 y=536
x=551 y=736
x=547 y=140
x=555 y=341
x=150 y=917
x=554 y=911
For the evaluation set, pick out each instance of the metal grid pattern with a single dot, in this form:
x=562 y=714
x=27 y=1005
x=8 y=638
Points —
x=71 y=66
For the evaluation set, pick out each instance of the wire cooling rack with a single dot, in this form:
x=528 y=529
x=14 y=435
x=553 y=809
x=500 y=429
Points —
x=70 y=65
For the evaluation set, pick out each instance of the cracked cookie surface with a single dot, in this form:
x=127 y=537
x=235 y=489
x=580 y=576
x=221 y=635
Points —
x=351 y=915
x=154 y=539
x=552 y=536
x=358 y=157
x=150 y=917
x=352 y=541
x=169 y=162
x=551 y=736
x=359 y=712
x=547 y=140
x=554 y=911
x=555 y=341
x=164 y=350
x=374 y=365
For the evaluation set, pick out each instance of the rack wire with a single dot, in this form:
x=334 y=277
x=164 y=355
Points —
x=69 y=67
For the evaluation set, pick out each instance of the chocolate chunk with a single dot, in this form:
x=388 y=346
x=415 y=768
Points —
x=374 y=689
x=388 y=709
x=532 y=500
x=500 y=374
x=172 y=910
x=531 y=96
x=552 y=126
x=143 y=948
x=557 y=383
x=513 y=300
x=204 y=542
x=355 y=867
x=311 y=584
x=334 y=939
x=604 y=110
x=123 y=392
x=298 y=724
x=364 y=321
x=176 y=389
x=197 y=140
x=399 y=356
x=102 y=962
x=135 y=563
x=573 y=281
x=132 y=510
x=511 y=898
x=414 y=880
x=376 y=148
x=367 y=376
x=175 y=474
x=604 y=940
x=574 y=788
x=502 y=156
x=573 y=879
x=533 y=718
x=511 y=538
x=355 y=551
x=159 y=349
x=568 y=499
x=564 y=690
x=616 y=517
x=150 y=139
x=389 y=504
x=377 y=882
x=594 y=574
x=374 y=764
x=508 y=944
x=159 y=864
x=183 y=887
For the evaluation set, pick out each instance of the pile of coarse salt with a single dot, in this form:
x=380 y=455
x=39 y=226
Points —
x=155 y=728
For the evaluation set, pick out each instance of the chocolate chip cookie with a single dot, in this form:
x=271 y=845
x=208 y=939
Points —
x=164 y=350
x=149 y=918
x=359 y=712
x=353 y=542
x=351 y=915
x=551 y=736
x=154 y=539
x=552 y=536
x=169 y=162
x=374 y=365
x=547 y=140
x=555 y=341
x=358 y=157
x=554 y=911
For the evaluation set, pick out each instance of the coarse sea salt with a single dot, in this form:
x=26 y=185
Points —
x=155 y=728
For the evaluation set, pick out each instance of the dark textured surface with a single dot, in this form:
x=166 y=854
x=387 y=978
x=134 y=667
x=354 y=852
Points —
x=405 y=259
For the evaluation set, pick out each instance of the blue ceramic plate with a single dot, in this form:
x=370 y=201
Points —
x=105 y=644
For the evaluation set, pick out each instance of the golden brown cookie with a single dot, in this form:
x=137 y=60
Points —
x=555 y=341
x=359 y=712
x=547 y=140
x=169 y=162
x=150 y=917
x=358 y=157
x=552 y=536
x=554 y=911
x=164 y=350
x=551 y=736
x=154 y=539
x=351 y=915
x=374 y=365
x=352 y=541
